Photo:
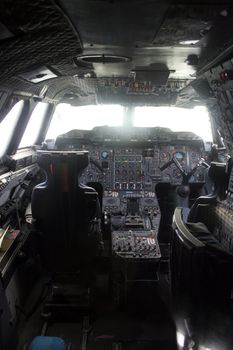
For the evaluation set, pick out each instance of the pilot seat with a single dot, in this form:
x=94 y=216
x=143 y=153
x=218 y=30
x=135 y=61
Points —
x=66 y=213
x=202 y=247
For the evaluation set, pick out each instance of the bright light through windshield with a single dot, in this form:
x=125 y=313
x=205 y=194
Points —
x=176 y=119
x=32 y=130
x=67 y=117
x=7 y=126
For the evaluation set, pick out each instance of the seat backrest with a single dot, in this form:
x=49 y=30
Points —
x=219 y=179
x=65 y=212
x=187 y=252
x=201 y=266
x=216 y=212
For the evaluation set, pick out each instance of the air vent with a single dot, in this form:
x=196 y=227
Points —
x=38 y=75
x=103 y=59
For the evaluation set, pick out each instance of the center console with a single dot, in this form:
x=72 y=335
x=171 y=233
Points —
x=135 y=219
x=133 y=206
x=135 y=244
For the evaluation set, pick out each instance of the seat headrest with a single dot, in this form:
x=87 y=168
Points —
x=63 y=167
x=78 y=159
x=217 y=171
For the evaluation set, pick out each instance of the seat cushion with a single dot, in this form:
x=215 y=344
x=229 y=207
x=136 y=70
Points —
x=47 y=343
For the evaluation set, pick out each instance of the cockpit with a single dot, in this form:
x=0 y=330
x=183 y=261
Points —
x=116 y=175
x=109 y=195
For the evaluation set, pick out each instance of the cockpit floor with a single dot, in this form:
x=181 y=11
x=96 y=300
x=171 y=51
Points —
x=144 y=322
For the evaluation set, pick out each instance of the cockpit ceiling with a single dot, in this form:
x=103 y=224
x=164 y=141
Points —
x=117 y=23
x=149 y=32
x=72 y=47
x=141 y=23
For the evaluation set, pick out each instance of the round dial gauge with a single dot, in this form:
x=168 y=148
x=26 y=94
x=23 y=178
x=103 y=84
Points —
x=179 y=155
x=104 y=154
x=165 y=156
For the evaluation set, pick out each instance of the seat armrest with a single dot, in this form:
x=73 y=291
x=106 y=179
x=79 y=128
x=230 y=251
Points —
x=182 y=230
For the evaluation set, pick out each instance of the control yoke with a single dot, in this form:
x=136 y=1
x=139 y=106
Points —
x=185 y=176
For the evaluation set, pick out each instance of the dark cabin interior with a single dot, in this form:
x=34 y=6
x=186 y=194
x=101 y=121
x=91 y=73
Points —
x=116 y=204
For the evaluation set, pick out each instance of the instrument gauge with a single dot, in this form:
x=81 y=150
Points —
x=179 y=156
x=165 y=156
x=194 y=156
x=104 y=154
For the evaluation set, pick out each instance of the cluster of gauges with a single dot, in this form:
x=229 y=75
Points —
x=166 y=156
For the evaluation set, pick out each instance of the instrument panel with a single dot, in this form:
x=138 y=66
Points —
x=127 y=162
x=138 y=168
x=130 y=158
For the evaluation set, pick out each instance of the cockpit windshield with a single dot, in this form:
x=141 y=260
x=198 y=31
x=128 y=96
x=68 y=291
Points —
x=67 y=117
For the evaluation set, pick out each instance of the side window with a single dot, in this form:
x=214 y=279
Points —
x=7 y=126
x=33 y=128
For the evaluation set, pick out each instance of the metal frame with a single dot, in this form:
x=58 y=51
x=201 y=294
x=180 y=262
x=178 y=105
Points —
x=46 y=123
x=21 y=125
x=183 y=232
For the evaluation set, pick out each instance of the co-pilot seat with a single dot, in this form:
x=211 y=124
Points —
x=66 y=213
x=202 y=247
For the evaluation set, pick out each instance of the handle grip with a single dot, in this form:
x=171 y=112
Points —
x=166 y=165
